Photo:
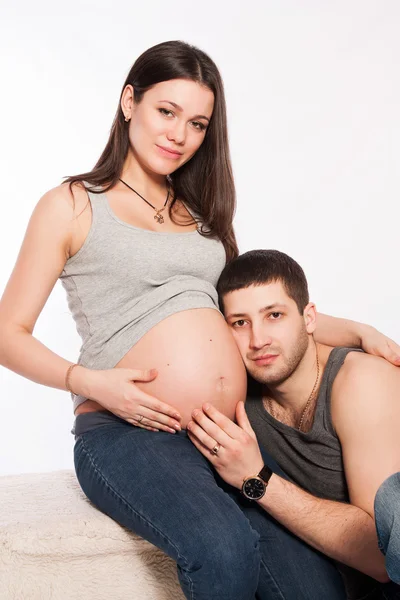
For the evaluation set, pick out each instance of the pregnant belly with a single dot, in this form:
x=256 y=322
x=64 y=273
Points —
x=197 y=361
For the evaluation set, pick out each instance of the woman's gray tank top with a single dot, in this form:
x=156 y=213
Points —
x=312 y=460
x=124 y=280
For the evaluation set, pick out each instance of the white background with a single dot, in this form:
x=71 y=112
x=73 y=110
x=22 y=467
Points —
x=313 y=104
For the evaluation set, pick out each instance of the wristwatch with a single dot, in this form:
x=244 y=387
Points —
x=254 y=487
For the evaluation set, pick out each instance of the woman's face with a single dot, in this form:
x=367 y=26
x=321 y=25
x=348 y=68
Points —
x=169 y=124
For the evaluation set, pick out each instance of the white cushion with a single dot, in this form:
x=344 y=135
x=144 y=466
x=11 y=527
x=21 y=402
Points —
x=55 y=545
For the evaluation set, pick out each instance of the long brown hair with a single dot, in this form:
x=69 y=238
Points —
x=205 y=182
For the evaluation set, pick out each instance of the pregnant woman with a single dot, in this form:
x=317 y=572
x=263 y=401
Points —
x=139 y=243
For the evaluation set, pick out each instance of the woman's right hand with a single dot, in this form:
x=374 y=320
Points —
x=116 y=391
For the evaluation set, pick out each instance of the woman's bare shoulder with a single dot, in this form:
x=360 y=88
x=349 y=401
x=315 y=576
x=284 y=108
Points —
x=64 y=200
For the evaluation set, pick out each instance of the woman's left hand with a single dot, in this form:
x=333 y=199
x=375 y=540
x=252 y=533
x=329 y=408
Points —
x=375 y=342
x=237 y=454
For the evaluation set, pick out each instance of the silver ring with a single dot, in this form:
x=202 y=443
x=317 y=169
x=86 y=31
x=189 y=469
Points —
x=140 y=419
x=215 y=450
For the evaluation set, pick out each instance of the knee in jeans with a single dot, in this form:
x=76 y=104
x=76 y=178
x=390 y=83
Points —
x=387 y=494
x=232 y=556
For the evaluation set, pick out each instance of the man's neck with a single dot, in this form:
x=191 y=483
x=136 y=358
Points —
x=288 y=400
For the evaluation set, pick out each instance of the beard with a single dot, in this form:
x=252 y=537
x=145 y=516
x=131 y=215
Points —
x=288 y=361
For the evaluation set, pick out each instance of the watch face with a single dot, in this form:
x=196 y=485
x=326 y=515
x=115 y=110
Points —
x=254 y=488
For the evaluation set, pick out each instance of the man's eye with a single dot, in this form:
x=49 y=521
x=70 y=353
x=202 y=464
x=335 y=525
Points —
x=239 y=323
x=275 y=315
x=165 y=112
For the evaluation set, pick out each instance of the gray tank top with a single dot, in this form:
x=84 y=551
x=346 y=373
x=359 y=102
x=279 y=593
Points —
x=124 y=280
x=312 y=460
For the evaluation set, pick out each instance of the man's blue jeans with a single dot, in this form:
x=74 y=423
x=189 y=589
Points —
x=159 y=486
x=387 y=519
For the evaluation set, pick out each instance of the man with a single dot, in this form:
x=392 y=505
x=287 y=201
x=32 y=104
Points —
x=329 y=416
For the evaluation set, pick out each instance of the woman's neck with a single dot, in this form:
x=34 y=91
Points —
x=144 y=181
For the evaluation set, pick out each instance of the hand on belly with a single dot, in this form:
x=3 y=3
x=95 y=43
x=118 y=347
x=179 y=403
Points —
x=197 y=361
x=190 y=390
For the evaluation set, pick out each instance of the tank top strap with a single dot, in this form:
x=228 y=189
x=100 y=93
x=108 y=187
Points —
x=99 y=205
x=323 y=415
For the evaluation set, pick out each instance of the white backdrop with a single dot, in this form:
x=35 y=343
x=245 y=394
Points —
x=313 y=98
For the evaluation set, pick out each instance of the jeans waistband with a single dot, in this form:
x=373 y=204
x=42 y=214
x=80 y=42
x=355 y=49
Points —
x=91 y=420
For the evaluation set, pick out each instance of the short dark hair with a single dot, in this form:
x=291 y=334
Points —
x=259 y=267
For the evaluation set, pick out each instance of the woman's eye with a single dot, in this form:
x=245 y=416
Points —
x=165 y=112
x=198 y=125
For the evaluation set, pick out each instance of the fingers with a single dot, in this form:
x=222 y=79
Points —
x=197 y=433
x=201 y=447
x=149 y=412
x=243 y=420
x=156 y=405
x=228 y=426
x=142 y=374
x=206 y=430
x=159 y=420
x=393 y=354
x=141 y=425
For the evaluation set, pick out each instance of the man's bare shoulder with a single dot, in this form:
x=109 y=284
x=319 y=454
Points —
x=364 y=382
x=365 y=388
x=366 y=416
x=361 y=363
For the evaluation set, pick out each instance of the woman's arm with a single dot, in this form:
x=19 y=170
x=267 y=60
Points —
x=42 y=257
x=333 y=331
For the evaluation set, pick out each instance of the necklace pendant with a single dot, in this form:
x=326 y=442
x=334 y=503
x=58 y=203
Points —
x=159 y=218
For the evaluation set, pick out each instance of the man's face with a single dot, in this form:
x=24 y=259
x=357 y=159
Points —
x=271 y=334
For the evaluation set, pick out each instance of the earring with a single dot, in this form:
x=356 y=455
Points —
x=127 y=119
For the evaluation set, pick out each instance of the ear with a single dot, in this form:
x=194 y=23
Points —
x=310 y=317
x=127 y=102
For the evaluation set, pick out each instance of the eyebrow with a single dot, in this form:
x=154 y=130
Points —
x=181 y=110
x=261 y=311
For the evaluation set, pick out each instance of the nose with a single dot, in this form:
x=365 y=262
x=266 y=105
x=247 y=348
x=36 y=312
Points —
x=177 y=132
x=259 y=338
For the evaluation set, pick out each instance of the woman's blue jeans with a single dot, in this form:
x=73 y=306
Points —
x=159 y=486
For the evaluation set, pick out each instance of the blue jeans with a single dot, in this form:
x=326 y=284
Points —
x=387 y=519
x=159 y=486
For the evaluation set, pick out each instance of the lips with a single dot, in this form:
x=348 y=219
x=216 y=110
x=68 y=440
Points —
x=169 y=152
x=266 y=359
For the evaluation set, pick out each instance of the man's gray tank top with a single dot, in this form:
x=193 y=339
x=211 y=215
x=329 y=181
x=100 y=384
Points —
x=124 y=280
x=312 y=460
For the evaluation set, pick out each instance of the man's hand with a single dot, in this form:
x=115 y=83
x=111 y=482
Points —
x=238 y=454
x=374 y=342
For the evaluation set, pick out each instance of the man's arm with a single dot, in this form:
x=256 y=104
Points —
x=341 y=531
x=365 y=406
x=366 y=415
x=333 y=331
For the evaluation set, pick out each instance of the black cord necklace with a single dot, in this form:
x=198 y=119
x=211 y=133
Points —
x=158 y=216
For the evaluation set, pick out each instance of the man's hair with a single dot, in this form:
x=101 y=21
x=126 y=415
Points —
x=259 y=267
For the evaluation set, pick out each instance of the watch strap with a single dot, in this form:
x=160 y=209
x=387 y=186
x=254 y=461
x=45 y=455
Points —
x=265 y=474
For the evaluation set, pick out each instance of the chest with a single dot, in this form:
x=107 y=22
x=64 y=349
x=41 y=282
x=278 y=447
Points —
x=312 y=460
x=154 y=216
x=143 y=260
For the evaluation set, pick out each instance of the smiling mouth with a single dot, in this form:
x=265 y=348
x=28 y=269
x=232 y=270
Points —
x=169 y=152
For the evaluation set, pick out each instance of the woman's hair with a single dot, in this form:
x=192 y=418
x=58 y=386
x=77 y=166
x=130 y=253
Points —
x=205 y=182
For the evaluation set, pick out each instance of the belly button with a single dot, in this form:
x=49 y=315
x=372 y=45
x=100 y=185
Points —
x=221 y=384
